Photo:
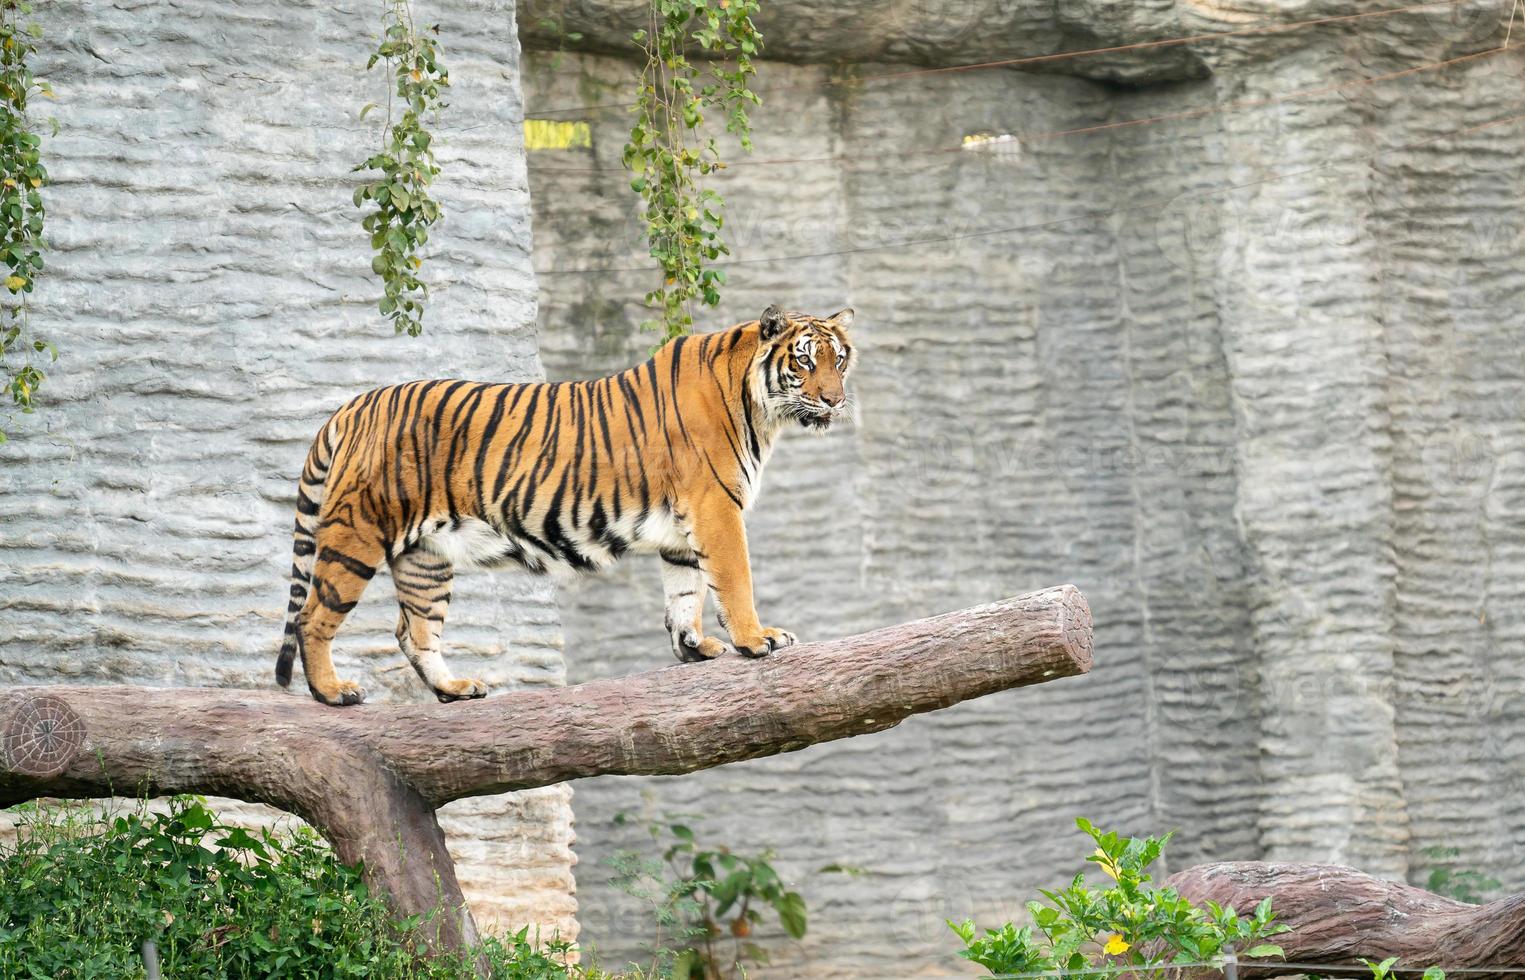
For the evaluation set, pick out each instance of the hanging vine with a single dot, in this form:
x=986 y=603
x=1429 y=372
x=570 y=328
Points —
x=22 y=177
x=401 y=209
x=669 y=150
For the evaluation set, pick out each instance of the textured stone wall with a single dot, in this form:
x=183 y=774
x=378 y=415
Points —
x=211 y=294
x=1250 y=375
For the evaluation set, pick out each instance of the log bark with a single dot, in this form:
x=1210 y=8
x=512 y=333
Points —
x=1340 y=916
x=370 y=777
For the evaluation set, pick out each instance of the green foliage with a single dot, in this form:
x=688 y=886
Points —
x=556 y=26
x=1090 y=933
x=83 y=892
x=669 y=150
x=22 y=177
x=401 y=209
x=1462 y=884
x=1384 y=970
x=705 y=902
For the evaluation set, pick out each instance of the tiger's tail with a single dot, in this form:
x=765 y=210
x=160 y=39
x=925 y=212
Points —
x=304 y=544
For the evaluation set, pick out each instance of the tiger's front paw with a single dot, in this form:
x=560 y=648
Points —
x=464 y=689
x=690 y=646
x=339 y=694
x=766 y=642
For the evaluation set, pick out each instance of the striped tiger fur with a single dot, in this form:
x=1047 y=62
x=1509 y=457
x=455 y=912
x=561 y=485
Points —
x=431 y=476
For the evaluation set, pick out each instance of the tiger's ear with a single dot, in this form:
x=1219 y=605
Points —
x=842 y=318
x=772 y=322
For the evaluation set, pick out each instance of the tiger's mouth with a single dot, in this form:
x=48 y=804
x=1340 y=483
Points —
x=810 y=414
x=817 y=420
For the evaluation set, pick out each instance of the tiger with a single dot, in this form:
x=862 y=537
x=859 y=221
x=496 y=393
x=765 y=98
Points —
x=559 y=478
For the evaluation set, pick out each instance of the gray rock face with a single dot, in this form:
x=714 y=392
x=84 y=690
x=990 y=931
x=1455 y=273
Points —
x=211 y=295
x=924 y=32
x=1125 y=41
x=1249 y=374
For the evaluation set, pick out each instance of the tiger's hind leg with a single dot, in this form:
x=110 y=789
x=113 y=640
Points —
x=423 y=581
x=683 y=586
x=345 y=565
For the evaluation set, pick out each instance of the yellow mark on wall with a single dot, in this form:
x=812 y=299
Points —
x=1001 y=145
x=555 y=134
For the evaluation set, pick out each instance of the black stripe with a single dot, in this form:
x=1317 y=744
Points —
x=734 y=499
x=329 y=597
x=677 y=353
x=632 y=399
x=489 y=431
x=466 y=407
x=355 y=566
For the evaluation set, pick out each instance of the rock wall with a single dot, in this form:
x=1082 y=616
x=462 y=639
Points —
x=1249 y=374
x=210 y=292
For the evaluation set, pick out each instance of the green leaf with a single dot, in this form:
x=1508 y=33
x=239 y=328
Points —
x=791 y=914
x=851 y=870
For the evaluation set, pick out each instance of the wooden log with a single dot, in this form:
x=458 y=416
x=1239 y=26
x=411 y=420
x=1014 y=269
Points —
x=1340 y=916
x=370 y=777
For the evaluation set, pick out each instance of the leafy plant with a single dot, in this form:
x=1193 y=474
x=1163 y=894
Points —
x=22 y=177
x=1462 y=884
x=83 y=891
x=1089 y=933
x=670 y=902
x=557 y=28
x=706 y=902
x=1384 y=970
x=401 y=209
x=669 y=150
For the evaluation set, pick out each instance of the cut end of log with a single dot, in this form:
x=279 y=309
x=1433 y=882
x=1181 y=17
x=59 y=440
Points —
x=42 y=737
x=1075 y=619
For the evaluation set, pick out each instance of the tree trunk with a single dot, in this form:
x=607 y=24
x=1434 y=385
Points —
x=1340 y=916
x=370 y=777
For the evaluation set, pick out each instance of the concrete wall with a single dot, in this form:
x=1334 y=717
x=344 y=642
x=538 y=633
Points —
x=1249 y=375
x=211 y=295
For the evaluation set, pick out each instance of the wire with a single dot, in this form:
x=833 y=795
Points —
x=1321 y=968
x=1058 y=56
x=1330 y=967
x=1099 y=127
x=1092 y=215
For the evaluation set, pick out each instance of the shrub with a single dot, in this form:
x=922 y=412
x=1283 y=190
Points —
x=705 y=902
x=1090 y=933
x=83 y=891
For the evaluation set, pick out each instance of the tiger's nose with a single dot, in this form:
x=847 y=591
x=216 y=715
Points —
x=832 y=400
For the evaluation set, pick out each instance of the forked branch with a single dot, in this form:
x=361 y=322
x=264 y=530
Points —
x=370 y=777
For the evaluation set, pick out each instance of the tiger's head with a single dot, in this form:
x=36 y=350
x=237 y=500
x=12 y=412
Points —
x=804 y=362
